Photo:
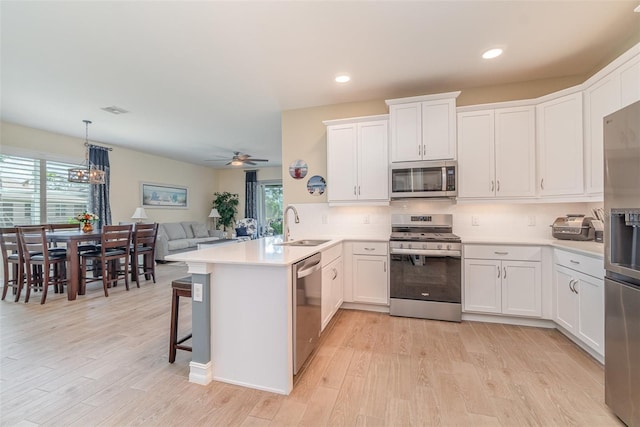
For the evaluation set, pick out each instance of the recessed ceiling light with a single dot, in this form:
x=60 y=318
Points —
x=343 y=78
x=114 y=110
x=492 y=53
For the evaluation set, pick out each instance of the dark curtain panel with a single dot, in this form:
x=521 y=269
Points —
x=251 y=195
x=99 y=202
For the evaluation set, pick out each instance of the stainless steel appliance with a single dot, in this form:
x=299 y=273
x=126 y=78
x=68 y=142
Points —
x=307 y=294
x=424 y=179
x=622 y=263
x=426 y=267
x=573 y=227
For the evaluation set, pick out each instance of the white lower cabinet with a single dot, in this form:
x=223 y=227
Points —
x=579 y=298
x=503 y=280
x=332 y=284
x=370 y=272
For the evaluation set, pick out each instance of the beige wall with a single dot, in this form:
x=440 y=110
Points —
x=128 y=169
x=232 y=180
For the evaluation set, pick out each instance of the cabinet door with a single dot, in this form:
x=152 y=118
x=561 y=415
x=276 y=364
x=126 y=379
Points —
x=373 y=161
x=439 y=129
x=559 y=132
x=370 y=280
x=522 y=288
x=566 y=305
x=515 y=155
x=336 y=285
x=591 y=311
x=342 y=162
x=630 y=82
x=406 y=131
x=482 y=285
x=476 y=154
x=326 y=305
x=601 y=99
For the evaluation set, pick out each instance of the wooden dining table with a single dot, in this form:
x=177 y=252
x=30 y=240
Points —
x=72 y=238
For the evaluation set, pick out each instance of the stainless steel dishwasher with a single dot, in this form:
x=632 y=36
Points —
x=307 y=294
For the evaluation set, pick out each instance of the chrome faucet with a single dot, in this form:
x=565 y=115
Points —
x=287 y=234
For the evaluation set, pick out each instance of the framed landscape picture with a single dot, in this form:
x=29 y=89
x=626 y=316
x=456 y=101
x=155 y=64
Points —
x=163 y=196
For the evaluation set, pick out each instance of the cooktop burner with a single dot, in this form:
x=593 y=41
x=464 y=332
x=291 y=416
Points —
x=422 y=228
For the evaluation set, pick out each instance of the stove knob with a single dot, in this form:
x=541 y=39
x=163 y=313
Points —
x=448 y=247
x=424 y=246
x=409 y=245
x=439 y=246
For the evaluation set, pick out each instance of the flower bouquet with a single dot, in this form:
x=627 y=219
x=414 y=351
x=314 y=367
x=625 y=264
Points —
x=86 y=218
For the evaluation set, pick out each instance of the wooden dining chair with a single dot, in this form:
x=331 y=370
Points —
x=144 y=245
x=43 y=267
x=12 y=262
x=112 y=257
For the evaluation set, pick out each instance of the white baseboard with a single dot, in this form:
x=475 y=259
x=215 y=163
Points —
x=200 y=373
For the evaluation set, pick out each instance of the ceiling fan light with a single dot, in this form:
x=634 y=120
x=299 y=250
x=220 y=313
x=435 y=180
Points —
x=236 y=163
x=343 y=78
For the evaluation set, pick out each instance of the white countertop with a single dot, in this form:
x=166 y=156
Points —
x=264 y=251
x=590 y=248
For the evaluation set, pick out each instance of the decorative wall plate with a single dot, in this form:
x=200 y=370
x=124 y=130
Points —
x=316 y=185
x=298 y=169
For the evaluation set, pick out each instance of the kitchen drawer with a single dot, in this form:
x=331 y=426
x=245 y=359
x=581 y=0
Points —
x=585 y=264
x=506 y=252
x=331 y=253
x=370 y=248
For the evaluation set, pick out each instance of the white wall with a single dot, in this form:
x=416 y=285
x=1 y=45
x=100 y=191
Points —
x=506 y=221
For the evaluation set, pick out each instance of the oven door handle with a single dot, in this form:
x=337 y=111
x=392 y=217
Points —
x=427 y=252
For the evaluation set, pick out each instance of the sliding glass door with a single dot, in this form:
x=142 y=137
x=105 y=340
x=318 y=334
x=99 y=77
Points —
x=270 y=208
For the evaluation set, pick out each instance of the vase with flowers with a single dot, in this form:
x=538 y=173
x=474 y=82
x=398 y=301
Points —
x=86 y=219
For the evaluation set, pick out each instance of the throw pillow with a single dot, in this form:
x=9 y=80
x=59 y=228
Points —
x=200 y=230
x=241 y=231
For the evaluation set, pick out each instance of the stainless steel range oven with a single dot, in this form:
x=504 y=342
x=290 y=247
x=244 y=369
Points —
x=426 y=267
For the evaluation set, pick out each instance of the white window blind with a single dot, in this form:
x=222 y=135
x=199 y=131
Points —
x=36 y=191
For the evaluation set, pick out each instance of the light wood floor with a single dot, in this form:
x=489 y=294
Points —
x=103 y=361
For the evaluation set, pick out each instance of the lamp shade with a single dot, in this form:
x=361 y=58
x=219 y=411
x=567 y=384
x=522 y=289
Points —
x=214 y=213
x=139 y=214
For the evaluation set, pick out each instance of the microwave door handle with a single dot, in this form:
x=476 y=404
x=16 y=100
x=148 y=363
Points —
x=444 y=178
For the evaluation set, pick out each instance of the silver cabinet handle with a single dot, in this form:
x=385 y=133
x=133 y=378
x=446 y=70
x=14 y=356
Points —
x=501 y=253
x=385 y=266
x=575 y=288
x=335 y=274
x=574 y=261
x=369 y=249
x=498 y=272
x=571 y=285
x=542 y=184
x=492 y=185
x=358 y=190
x=354 y=190
x=420 y=150
x=498 y=185
x=505 y=273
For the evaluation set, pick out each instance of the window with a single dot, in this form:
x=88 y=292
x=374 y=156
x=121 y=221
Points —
x=36 y=191
x=270 y=207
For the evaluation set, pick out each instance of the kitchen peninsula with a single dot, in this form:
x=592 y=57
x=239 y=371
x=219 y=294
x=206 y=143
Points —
x=242 y=315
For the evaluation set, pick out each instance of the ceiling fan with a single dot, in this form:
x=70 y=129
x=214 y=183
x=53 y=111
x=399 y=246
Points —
x=239 y=159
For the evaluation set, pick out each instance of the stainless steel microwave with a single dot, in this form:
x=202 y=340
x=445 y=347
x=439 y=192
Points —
x=424 y=179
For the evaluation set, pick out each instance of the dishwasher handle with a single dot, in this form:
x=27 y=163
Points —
x=308 y=270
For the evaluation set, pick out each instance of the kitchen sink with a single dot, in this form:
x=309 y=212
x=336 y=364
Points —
x=303 y=243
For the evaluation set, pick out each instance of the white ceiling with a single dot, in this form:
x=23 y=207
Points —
x=203 y=79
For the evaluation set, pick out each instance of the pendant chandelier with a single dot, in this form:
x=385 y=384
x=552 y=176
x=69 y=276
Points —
x=87 y=173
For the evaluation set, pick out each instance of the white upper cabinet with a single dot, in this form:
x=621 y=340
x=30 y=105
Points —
x=423 y=127
x=615 y=87
x=560 y=146
x=630 y=81
x=496 y=153
x=601 y=99
x=358 y=160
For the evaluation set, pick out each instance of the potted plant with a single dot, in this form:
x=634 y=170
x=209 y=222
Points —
x=227 y=205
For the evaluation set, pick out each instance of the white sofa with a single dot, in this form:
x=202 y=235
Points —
x=176 y=237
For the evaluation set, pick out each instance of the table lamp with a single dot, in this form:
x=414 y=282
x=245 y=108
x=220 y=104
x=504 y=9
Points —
x=214 y=214
x=139 y=215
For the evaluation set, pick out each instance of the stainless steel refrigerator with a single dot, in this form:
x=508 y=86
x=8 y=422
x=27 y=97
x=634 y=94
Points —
x=622 y=263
